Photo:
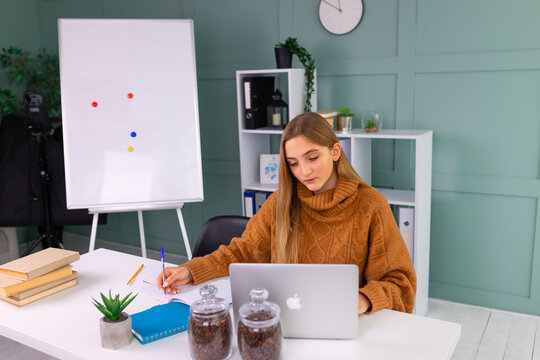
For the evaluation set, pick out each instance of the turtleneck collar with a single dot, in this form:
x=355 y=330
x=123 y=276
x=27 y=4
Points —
x=331 y=201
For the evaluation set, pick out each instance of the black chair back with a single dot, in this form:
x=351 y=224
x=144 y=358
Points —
x=218 y=231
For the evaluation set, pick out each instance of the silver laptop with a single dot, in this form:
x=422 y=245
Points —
x=316 y=300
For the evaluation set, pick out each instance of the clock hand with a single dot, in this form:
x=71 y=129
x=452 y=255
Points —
x=339 y=5
x=332 y=5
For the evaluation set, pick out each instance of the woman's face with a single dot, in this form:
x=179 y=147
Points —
x=312 y=164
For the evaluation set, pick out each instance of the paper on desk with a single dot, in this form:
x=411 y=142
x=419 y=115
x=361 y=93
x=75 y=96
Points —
x=188 y=293
x=150 y=273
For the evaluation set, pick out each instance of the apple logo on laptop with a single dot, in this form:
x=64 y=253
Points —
x=293 y=303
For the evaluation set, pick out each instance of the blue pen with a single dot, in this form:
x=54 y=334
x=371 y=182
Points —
x=163 y=269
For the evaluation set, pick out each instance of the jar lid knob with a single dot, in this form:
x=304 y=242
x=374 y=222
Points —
x=258 y=295
x=208 y=291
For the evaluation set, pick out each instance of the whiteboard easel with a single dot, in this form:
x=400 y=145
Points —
x=97 y=211
x=130 y=117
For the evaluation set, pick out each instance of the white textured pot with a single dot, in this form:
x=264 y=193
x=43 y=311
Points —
x=115 y=334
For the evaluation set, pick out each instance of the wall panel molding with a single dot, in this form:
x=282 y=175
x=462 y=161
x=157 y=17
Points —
x=489 y=185
x=464 y=26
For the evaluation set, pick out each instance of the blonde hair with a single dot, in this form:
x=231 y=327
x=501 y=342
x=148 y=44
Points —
x=317 y=130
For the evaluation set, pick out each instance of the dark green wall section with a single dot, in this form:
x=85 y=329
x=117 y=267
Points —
x=468 y=69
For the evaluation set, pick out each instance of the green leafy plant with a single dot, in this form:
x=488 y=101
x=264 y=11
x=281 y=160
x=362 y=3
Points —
x=38 y=72
x=370 y=124
x=112 y=307
x=345 y=112
x=9 y=104
x=309 y=65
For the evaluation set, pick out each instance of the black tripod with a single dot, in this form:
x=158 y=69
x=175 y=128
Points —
x=40 y=128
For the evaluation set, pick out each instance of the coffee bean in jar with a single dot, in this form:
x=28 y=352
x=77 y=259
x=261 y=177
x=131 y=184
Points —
x=259 y=329
x=210 y=328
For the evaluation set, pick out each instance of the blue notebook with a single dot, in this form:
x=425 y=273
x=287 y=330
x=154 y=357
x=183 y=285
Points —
x=160 y=321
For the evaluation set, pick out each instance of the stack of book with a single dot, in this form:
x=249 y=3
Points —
x=37 y=275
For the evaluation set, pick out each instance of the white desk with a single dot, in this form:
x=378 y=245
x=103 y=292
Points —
x=66 y=324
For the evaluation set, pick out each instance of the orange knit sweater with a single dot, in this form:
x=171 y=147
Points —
x=351 y=224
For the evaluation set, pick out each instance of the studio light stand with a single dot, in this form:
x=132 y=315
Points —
x=40 y=129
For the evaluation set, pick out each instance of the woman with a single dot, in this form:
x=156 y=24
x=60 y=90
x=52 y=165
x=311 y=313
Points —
x=321 y=213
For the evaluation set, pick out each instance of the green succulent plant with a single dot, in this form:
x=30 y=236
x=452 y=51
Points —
x=345 y=112
x=112 y=307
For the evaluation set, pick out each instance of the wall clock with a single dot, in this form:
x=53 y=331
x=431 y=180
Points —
x=340 y=16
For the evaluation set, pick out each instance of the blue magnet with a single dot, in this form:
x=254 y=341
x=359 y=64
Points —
x=133 y=134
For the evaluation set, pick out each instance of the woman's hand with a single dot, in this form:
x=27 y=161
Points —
x=363 y=303
x=174 y=277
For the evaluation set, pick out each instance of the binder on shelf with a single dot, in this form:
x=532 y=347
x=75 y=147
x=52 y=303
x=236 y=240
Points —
x=249 y=203
x=406 y=227
x=258 y=92
x=260 y=198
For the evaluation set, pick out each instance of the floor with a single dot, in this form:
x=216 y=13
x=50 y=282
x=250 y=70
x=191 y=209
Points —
x=486 y=334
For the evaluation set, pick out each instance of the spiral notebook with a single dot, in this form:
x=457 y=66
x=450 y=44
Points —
x=160 y=321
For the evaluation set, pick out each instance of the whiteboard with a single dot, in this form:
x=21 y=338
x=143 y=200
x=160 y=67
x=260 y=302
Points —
x=129 y=113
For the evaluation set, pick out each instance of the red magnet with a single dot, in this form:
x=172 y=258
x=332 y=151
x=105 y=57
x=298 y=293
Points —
x=94 y=104
x=130 y=96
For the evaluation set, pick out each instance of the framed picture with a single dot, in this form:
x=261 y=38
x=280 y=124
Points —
x=269 y=168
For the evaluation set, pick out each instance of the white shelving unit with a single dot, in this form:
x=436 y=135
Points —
x=256 y=142
x=291 y=83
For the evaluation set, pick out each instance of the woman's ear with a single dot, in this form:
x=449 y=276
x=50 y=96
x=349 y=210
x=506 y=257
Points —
x=336 y=151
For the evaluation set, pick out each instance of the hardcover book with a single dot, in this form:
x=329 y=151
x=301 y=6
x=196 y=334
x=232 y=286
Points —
x=28 y=293
x=41 y=295
x=160 y=321
x=10 y=286
x=39 y=263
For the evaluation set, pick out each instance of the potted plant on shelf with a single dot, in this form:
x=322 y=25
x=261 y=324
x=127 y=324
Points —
x=115 y=325
x=291 y=44
x=283 y=57
x=344 y=122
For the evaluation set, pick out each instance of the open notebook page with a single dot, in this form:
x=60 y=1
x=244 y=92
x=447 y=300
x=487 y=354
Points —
x=188 y=293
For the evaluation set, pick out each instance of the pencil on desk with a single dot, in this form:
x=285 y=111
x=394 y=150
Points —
x=136 y=272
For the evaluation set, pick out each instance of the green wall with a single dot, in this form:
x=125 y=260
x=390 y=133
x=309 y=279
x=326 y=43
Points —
x=19 y=24
x=468 y=69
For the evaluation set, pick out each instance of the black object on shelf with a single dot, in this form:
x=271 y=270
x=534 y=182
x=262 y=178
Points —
x=283 y=58
x=258 y=92
x=277 y=111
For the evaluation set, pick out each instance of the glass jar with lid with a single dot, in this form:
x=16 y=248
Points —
x=259 y=328
x=210 y=328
